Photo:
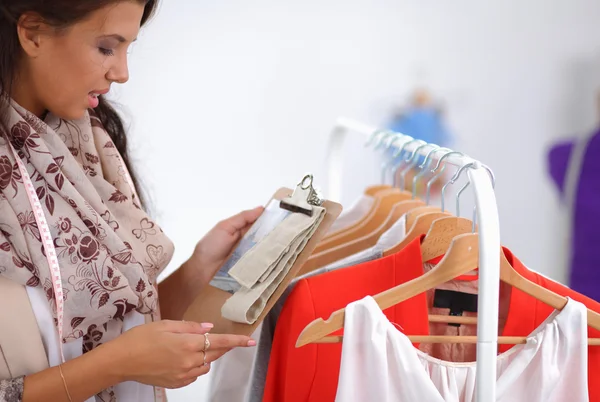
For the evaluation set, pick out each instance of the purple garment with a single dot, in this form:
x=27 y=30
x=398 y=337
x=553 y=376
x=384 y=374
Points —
x=585 y=236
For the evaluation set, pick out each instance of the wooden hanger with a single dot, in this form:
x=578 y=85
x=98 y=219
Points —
x=373 y=190
x=442 y=230
x=420 y=227
x=334 y=254
x=440 y=235
x=436 y=243
x=379 y=195
x=412 y=215
x=385 y=201
x=461 y=258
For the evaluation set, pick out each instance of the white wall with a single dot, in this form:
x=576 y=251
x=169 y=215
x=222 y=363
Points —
x=230 y=100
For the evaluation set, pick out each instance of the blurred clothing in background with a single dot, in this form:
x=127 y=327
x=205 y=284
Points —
x=423 y=120
x=575 y=169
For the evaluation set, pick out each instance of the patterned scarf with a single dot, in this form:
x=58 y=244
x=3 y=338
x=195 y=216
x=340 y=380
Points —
x=109 y=250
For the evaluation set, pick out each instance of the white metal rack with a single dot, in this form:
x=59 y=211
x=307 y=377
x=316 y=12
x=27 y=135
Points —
x=489 y=242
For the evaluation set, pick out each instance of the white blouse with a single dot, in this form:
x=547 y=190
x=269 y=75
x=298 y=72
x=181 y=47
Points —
x=379 y=363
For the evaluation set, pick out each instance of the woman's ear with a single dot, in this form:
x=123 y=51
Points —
x=30 y=29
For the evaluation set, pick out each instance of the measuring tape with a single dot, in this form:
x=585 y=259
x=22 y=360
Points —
x=48 y=244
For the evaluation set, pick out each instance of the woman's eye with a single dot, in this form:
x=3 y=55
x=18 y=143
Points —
x=106 y=52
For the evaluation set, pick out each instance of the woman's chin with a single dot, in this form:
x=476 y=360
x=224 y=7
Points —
x=70 y=114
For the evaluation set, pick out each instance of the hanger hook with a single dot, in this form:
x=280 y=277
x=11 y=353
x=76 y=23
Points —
x=390 y=161
x=437 y=176
x=412 y=161
x=425 y=167
x=453 y=180
x=410 y=140
x=385 y=134
x=444 y=157
x=394 y=137
x=458 y=194
x=372 y=137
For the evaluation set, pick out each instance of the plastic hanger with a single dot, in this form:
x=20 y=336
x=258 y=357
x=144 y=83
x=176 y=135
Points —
x=460 y=258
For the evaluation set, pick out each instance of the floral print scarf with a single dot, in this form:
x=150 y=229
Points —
x=109 y=250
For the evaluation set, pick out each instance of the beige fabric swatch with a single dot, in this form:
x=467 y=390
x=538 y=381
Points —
x=263 y=268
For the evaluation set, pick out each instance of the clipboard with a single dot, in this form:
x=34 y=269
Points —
x=207 y=305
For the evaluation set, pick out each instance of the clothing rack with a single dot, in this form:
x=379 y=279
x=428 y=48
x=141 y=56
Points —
x=489 y=240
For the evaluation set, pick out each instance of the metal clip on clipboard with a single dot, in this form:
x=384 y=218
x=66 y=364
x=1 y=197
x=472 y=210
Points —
x=304 y=197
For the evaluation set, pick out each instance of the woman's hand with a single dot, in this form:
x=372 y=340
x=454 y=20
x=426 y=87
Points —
x=170 y=354
x=214 y=248
x=180 y=289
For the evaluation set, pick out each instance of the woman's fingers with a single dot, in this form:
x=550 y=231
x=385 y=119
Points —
x=211 y=357
x=197 y=372
x=218 y=341
x=196 y=342
x=241 y=221
x=224 y=341
x=185 y=327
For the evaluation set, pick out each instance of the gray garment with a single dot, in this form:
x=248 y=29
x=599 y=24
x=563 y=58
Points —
x=267 y=334
x=12 y=390
x=231 y=374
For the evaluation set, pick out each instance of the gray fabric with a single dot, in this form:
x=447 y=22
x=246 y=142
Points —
x=263 y=349
x=12 y=390
x=231 y=374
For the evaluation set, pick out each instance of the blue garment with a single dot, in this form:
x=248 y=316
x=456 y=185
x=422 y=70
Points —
x=585 y=237
x=423 y=123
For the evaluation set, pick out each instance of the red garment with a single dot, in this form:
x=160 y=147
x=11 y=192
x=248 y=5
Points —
x=310 y=373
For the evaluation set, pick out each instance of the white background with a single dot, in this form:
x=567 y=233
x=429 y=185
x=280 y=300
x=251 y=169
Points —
x=231 y=100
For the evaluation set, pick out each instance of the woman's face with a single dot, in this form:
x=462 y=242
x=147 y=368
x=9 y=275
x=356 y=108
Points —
x=64 y=72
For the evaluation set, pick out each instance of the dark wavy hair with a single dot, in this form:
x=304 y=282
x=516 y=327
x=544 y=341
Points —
x=61 y=14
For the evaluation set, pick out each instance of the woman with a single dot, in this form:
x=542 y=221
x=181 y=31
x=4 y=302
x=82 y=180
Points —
x=57 y=60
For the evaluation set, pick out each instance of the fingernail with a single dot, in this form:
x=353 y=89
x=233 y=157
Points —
x=251 y=342
x=207 y=325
